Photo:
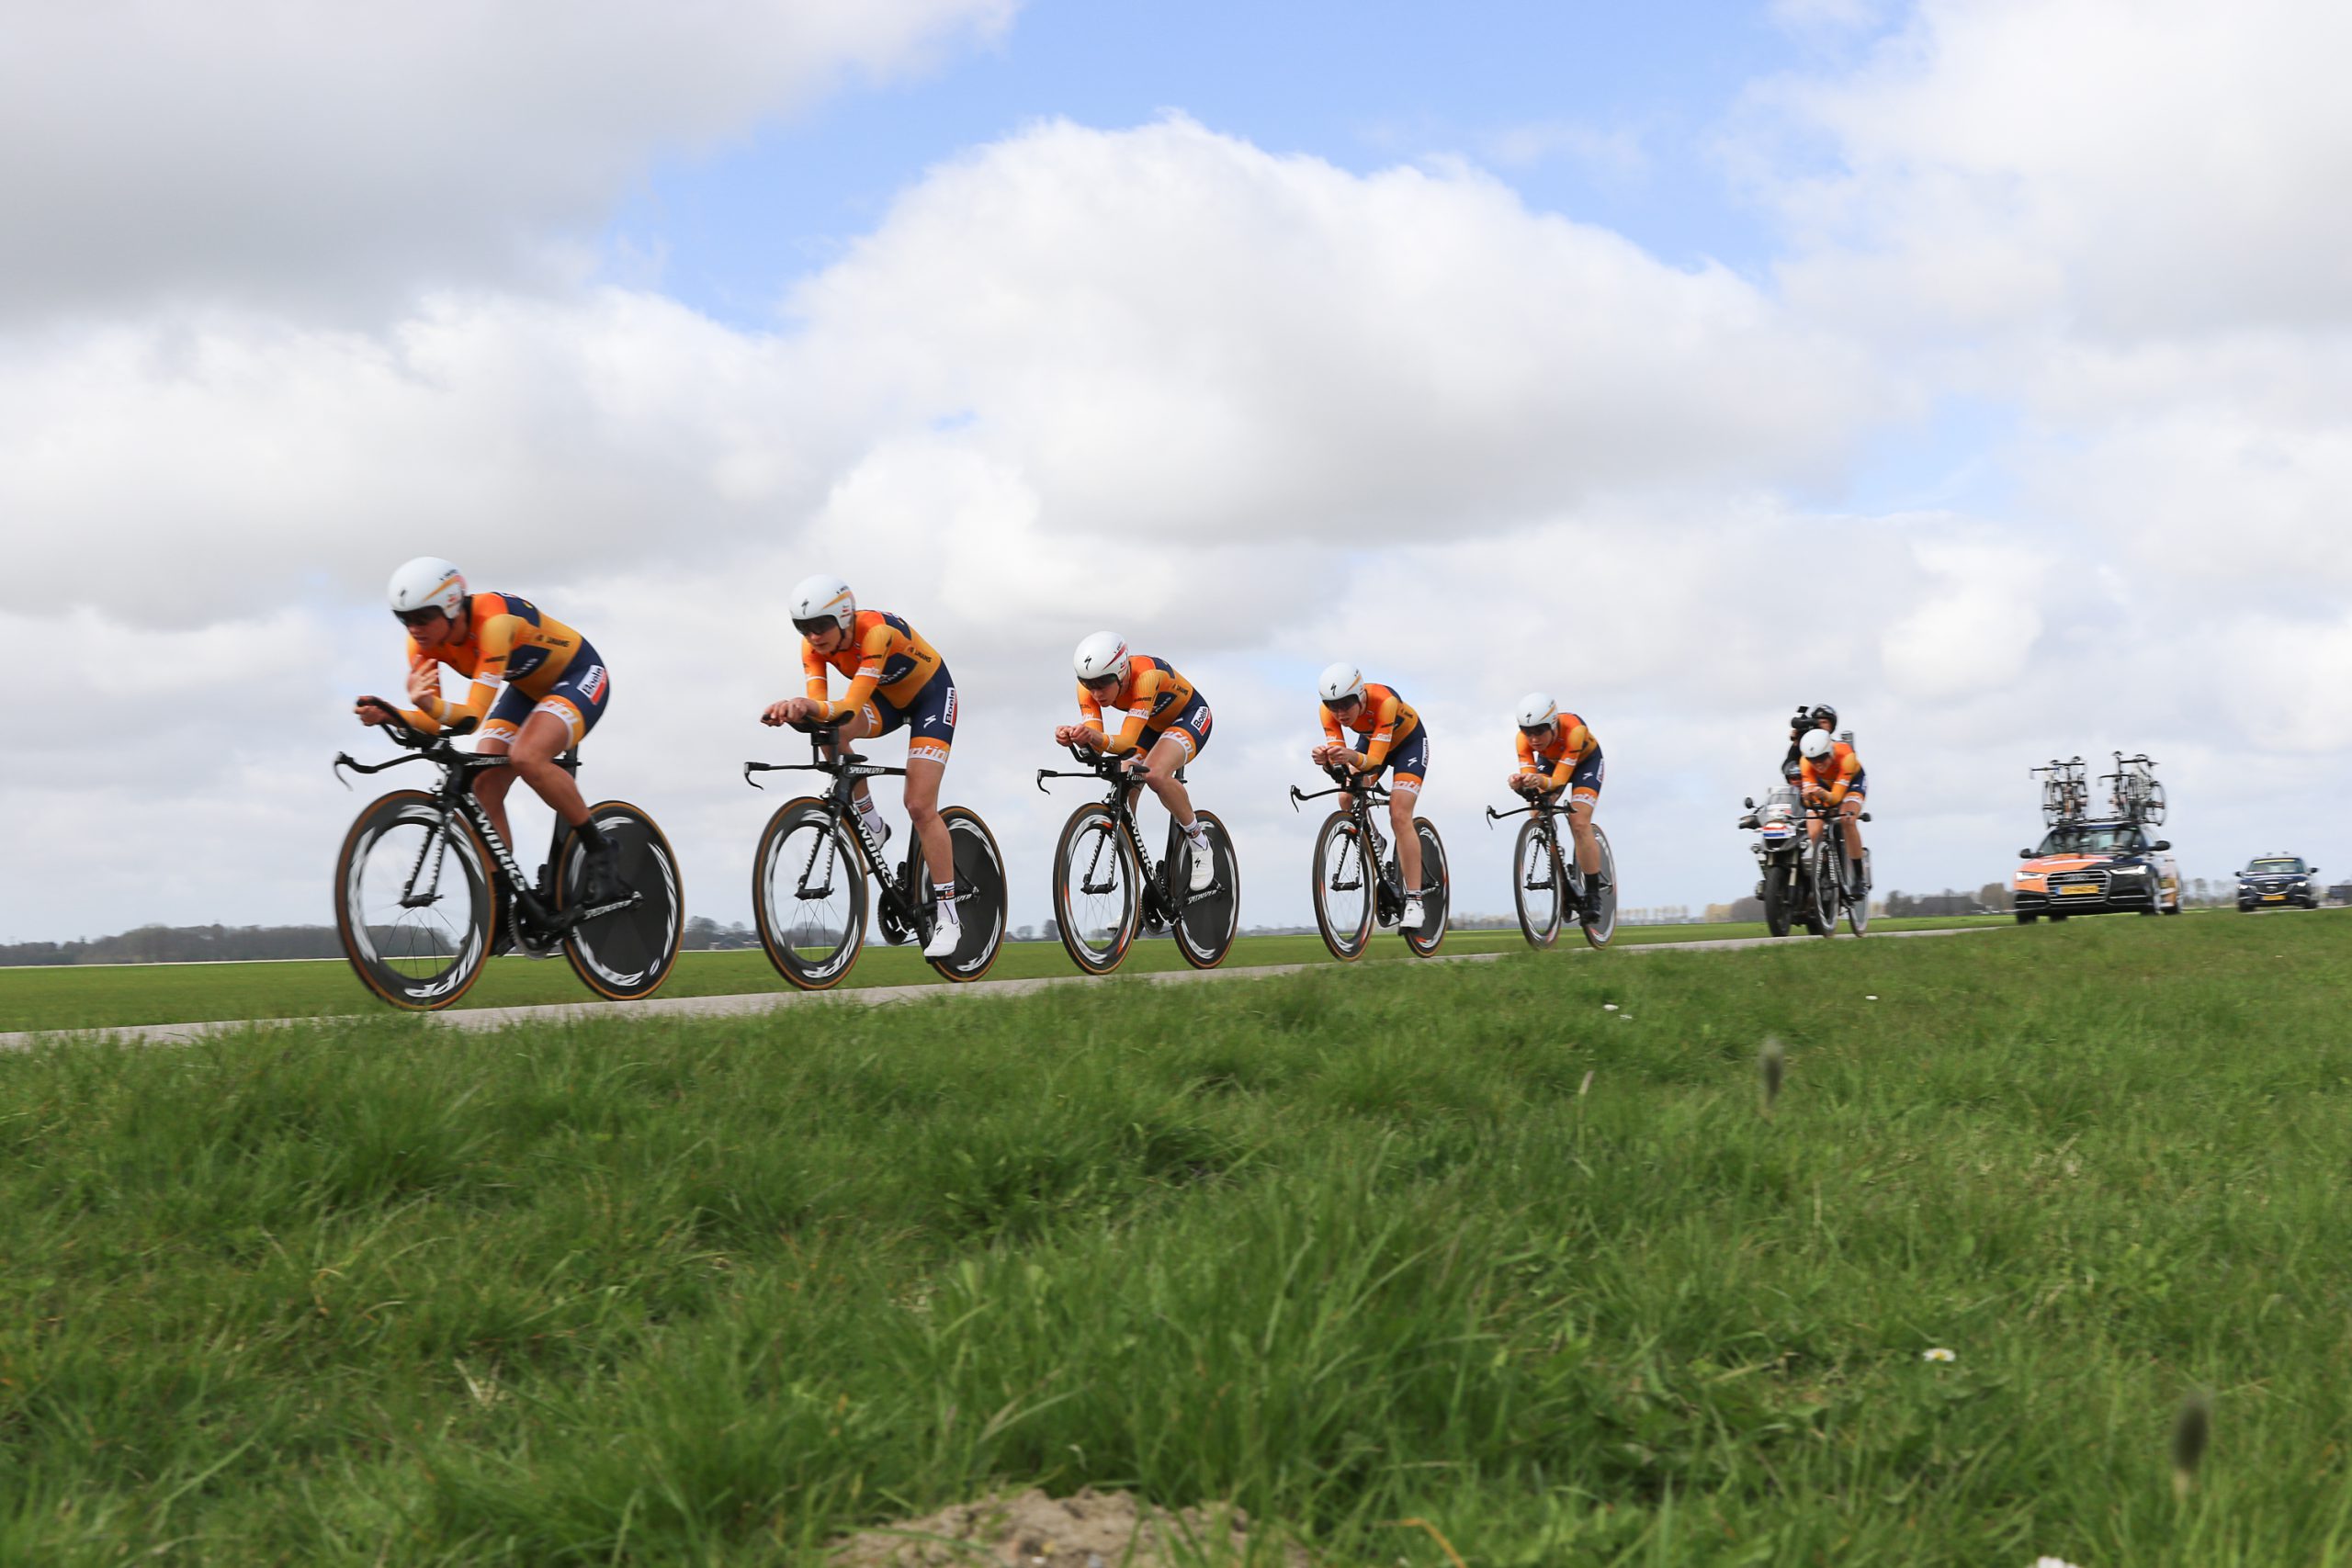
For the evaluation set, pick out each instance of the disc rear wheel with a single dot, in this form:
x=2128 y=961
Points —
x=1437 y=891
x=1600 y=907
x=1206 y=922
x=628 y=952
x=980 y=895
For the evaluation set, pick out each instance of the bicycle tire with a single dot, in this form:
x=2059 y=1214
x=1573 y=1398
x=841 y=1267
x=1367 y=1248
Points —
x=979 y=889
x=630 y=953
x=416 y=960
x=1780 y=896
x=1437 y=891
x=1857 y=912
x=1338 y=843
x=1089 y=838
x=811 y=948
x=1601 y=915
x=1539 y=884
x=1822 y=919
x=1207 y=922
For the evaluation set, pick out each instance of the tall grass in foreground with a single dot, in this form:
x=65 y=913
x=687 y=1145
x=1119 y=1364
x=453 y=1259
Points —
x=1346 y=1247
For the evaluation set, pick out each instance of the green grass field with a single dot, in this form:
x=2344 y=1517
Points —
x=1349 y=1247
x=92 y=996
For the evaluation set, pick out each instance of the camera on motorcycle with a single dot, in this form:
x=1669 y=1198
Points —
x=1748 y=801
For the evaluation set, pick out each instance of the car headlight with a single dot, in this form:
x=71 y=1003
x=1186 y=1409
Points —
x=2131 y=870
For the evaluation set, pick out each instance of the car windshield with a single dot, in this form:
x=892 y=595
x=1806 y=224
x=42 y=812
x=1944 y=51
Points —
x=2277 y=865
x=2095 y=840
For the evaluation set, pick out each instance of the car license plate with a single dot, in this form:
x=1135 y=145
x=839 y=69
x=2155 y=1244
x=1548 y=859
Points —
x=2273 y=897
x=2071 y=889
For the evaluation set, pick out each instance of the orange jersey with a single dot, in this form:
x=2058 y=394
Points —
x=883 y=654
x=1151 y=696
x=1571 y=743
x=1838 y=773
x=1382 y=718
x=508 y=642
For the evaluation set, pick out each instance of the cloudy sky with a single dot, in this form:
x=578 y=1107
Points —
x=1979 y=367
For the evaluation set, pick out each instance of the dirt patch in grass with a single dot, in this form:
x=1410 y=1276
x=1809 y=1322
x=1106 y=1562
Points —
x=1092 y=1530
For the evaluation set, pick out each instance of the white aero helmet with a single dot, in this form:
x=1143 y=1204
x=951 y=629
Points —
x=1339 y=682
x=1538 y=711
x=428 y=582
x=1102 y=657
x=1817 y=744
x=823 y=598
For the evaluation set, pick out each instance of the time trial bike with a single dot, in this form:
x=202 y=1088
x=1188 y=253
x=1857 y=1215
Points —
x=1826 y=872
x=1546 y=881
x=1357 y=885
x=426 y=892
x=1106 y=887
x=809 y=877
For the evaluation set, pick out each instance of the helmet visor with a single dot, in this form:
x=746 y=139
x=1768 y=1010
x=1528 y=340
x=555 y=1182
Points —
x=815 y=626
x=414 y=619
x=1101 y=684
x=1342 y=705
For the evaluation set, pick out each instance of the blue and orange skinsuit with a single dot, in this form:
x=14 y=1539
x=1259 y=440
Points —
x=1841 y=773
x=895 y=676
x=521 y=661
x=1387 y=723
x=1158 y=702
x=1573 y=755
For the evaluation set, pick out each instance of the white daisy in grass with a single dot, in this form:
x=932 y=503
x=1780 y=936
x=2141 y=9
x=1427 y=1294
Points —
x=1939 y=1354
x=2051 y=1562
x=1608 y=1007
x=1869 y=998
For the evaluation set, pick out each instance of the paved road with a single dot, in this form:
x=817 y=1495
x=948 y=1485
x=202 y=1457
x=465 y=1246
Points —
x=870 y=996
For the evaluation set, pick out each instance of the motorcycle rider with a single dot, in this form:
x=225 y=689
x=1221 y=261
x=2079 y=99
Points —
x=1821 y=715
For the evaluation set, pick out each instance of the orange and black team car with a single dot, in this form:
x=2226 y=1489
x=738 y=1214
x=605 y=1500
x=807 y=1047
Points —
x=2097 y=868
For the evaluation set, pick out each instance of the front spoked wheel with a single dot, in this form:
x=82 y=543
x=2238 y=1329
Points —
x=1344 y=877
x=1822 y=919
x=414 y=904
x=980 y=895
x=628 y=952
x=1537 y=885
x=1600 y=908
x=809 y=894
x=1857 y=913
x=1097 y=905
x=1206 y=922
x=1437 y=891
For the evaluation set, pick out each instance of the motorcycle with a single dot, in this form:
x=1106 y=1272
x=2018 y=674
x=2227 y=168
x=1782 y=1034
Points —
x=1784 y=877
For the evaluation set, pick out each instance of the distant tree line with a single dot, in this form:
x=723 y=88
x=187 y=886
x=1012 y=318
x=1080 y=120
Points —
x=182 y=944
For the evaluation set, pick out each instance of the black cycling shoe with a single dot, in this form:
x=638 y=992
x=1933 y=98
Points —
x=600 y=876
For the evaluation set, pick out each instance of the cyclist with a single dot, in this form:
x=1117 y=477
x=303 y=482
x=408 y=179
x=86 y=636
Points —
x=539 y=689
x=1158 y=702
x=1548 y=735
x=1395 y=739
x=1833 y=776
x=895 y=678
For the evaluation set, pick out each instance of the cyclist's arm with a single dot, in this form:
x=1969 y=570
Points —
x=1848 y=766
x=1090 y=712
x=1331 y=728
x=873 y=654
x=1579 y=748
x=812 y=671
x=1384 y=735
x=1147 y=698
x=490 y=679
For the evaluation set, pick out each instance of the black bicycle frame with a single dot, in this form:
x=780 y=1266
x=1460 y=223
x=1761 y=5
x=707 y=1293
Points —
x=1546 y=812
x=1362 y=796
x=1161 y=904
x=456 y=794
x=896 y=900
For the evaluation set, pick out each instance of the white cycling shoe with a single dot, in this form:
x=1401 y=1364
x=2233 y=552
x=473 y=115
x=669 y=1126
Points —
x=1204 y=868
x=1414 y=915
x=943 y=937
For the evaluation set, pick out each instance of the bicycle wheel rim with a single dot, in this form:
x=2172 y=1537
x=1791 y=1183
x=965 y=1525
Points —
x=1857 y=913
x=979 y=906
x=1209 y=922
x=1096 y=900
x=1343 y=885
x=1535 y=886
x=423 y=957
x=1437 y=884
x=630 y=951
x=1601 y=922
x=809 y=895
x=1825 y=885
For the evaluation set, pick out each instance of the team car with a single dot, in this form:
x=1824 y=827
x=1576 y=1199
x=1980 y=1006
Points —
x=2279 y=881
x=2097 y=868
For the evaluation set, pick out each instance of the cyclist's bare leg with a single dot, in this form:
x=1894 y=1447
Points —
x=837 y=739
x=1165 y=759
x=924 y=775
x=1401 y=800
x=533 y=751
x=1580 y=826
x=1852 y=812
